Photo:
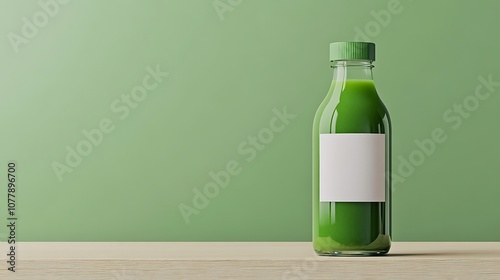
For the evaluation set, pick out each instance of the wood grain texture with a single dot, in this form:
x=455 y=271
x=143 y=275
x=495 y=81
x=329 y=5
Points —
x=249 y=260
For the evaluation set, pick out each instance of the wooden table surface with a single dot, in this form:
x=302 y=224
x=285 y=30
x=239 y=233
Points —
x=248 y=260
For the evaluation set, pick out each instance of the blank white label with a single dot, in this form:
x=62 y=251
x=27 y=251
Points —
x=352 y=167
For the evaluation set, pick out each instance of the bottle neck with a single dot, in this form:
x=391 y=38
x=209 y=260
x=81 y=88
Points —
x=352 y=70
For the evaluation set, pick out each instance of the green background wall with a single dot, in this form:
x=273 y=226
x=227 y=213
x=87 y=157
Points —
x=229 y=71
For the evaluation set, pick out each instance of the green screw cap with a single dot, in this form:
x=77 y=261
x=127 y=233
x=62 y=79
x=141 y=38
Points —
x=352 y=51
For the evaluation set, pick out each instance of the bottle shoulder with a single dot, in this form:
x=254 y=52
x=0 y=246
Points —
x=352 y=109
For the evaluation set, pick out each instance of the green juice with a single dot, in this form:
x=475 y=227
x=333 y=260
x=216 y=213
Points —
x=352 y=226
x=352 y=107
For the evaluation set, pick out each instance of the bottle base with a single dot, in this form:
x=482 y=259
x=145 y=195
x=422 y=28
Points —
x=353 y=253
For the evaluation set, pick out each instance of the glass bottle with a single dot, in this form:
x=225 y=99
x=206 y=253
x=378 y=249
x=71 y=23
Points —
x=352 y=159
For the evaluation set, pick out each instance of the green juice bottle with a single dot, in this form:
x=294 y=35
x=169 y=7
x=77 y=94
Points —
x=352 y=159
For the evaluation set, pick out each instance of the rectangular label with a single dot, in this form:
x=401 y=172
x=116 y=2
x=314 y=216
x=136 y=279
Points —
x=352 y=167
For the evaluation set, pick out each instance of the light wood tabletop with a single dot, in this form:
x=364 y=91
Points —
x=247 y=260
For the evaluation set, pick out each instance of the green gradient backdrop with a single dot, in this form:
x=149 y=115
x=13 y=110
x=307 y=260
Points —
x=226 y=76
